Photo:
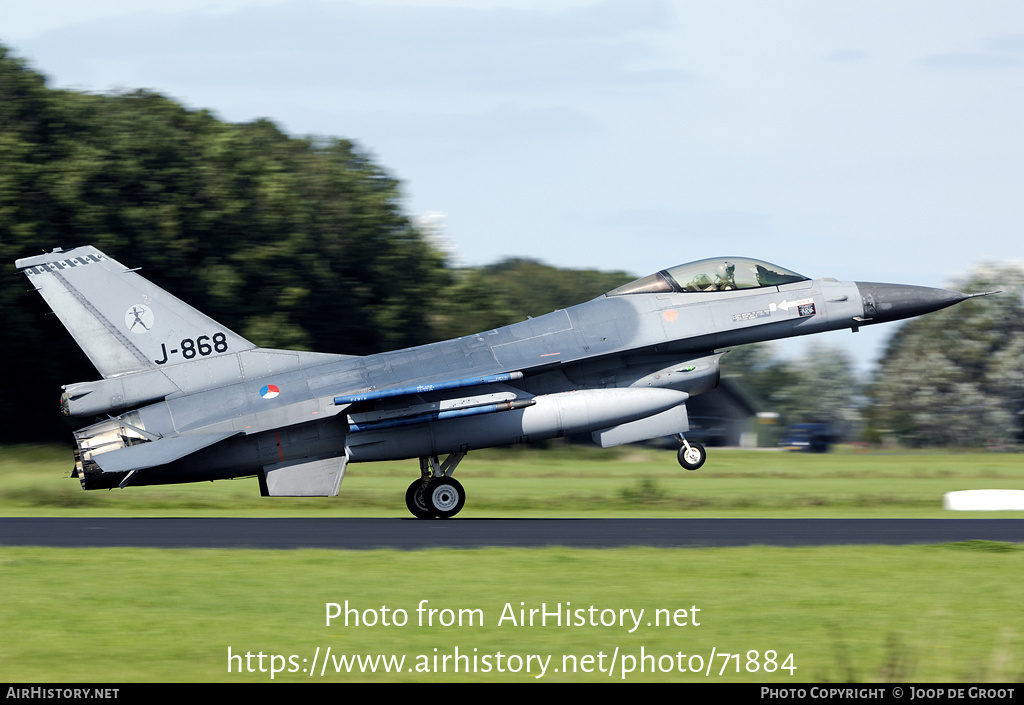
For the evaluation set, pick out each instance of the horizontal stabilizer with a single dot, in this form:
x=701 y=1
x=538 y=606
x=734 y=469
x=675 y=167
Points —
x=155 y=453
x=304 y=478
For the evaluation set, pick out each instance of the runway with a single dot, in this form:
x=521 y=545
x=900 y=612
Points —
x=413 y=534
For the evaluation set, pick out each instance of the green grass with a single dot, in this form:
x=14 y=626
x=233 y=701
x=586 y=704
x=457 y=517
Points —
x=562 y=481
x=946 y=613
x=928 y=614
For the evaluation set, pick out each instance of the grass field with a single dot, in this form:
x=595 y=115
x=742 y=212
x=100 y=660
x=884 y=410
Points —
x=561 y=481
x=928 y=613
x=945 y=613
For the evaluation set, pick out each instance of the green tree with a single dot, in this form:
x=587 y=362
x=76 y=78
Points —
x=956 y=377
x=291 y=242
x=296 y=243
x=820 y=386
x=482 y=298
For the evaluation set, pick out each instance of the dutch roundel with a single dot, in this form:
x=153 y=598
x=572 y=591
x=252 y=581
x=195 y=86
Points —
x=269 y=391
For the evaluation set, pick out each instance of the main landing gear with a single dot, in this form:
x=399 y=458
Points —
x=691 y=455
x=436 y=493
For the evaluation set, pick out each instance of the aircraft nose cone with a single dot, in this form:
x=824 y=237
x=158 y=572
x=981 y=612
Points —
x=891 y=302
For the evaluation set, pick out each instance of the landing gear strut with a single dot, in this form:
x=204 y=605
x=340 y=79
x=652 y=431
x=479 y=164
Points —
x=691 y=455
x=436 y=493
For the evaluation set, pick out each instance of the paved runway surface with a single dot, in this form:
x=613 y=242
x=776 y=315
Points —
x=410 y=534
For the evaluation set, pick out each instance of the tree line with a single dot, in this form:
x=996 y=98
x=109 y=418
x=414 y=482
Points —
x=292 y=242
x=302 y=243
x=950 y=378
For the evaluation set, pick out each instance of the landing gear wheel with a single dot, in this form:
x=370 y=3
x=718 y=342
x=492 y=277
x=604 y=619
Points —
x=416 y=501
x=445 y=497
x=692 y=457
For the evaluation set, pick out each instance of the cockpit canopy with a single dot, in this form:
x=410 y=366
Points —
x=716 y=274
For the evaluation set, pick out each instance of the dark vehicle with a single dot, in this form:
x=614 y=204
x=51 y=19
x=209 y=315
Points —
x=809 y=437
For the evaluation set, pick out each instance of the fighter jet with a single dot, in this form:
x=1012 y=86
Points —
x=187 y=400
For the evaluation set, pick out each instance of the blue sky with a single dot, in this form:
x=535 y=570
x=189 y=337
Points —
x=872 y=141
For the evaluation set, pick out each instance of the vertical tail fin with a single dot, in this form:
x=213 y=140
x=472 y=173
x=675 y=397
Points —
x=123 y=322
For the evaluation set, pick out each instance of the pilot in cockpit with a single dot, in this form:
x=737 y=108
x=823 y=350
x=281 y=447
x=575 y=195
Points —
x=725 y=276
x=724 y=279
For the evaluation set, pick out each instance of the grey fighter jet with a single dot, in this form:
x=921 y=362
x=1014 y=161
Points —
x=187 y=400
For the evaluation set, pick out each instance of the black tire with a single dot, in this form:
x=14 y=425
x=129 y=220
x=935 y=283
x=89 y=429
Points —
x=693 y=458
x=445 y=497
x=416 y=501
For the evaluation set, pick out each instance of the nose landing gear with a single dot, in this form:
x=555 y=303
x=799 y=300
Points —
x=691 y=455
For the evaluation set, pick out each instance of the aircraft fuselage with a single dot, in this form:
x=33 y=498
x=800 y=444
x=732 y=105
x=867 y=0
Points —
x=211 y=405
